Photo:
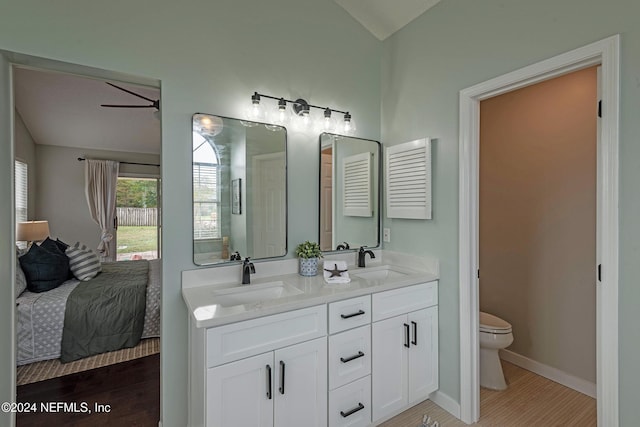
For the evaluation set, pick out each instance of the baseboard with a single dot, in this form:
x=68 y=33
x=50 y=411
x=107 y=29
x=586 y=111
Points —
x=446 y=402
x=549 y=372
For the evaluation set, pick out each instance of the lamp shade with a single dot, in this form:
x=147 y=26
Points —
x=32 y=231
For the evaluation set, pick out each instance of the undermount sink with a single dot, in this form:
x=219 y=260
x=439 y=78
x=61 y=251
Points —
x=249 y=294
x=380 y=273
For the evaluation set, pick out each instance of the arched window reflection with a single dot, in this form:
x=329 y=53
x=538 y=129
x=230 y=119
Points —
x=206 y=191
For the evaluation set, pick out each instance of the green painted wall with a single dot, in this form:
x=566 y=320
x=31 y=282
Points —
x=460 y=43
x=210 y=57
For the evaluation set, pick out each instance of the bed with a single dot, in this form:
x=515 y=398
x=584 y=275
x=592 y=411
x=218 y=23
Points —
x=40 y=317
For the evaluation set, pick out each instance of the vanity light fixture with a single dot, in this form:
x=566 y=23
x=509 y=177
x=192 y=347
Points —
x=302 y=110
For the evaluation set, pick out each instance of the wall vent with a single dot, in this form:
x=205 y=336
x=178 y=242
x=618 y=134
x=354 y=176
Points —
x=408 y=180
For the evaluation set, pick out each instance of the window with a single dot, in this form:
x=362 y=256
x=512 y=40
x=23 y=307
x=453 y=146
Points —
x=22 y=188
x=206 y=193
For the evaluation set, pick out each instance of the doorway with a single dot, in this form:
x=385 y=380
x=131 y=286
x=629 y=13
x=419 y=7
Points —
x=606 y=54
x=137 y=231
x=537 y=225
x=55 y=193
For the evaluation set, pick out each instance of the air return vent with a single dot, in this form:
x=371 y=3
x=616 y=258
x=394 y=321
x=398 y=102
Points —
x=408 y=180
x=357 y=185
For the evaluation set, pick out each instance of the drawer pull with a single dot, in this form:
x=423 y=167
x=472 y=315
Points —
x=406 y=336
x=415 y=333
x=347 y=316
x=353 y=411
x=349 y=359
x=281 y=377
x=268 y=382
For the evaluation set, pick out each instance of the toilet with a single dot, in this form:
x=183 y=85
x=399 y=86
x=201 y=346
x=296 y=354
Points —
x=495 y=334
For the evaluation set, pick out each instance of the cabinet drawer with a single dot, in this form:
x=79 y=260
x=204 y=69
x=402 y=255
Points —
x=350 y=405
x=349 y=313
x=404 y=300
x=349 y=356
x=243 y=339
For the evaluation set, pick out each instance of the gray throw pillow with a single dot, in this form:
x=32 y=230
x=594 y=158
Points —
x=21 y=281
x=83 y=262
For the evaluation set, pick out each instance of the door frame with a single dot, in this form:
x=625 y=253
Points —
x=605 y=53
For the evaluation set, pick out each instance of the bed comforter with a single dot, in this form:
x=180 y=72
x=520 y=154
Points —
x=106 y=313
x=40 y=318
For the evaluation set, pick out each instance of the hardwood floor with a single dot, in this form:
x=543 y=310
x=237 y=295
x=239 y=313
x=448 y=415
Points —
x=530 y=400
x=131 y=389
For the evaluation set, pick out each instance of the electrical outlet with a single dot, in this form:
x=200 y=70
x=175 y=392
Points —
x=386 y=235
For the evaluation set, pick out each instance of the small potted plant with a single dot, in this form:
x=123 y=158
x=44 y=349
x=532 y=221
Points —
x=308 y=254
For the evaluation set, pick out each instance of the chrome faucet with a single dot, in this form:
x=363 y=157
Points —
x=247 y=270
x=361 y=255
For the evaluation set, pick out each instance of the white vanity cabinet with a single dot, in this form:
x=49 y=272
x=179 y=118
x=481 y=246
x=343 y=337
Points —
x=350 y=362
x=404 y=347
x=283 y=388
x=353 y=362
x=269 y=371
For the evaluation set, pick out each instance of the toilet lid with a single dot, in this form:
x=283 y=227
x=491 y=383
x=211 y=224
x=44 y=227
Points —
x=493 y=324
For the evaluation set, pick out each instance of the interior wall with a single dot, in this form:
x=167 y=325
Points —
x=7 y=248
x=458 y=44
x=61 y=197
x=209 y=58
x=25 y=148
x=538 y=219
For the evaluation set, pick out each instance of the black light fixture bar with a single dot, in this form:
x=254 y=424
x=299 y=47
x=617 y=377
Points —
x=256 y=97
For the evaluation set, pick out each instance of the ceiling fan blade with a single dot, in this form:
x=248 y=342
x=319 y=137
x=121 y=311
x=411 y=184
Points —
x=131 y=93
x=128 y=106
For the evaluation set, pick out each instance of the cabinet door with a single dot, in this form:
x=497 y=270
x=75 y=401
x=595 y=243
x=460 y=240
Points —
x=300 y=385
x=238 y=393
x=423 y=354
x=389 y=366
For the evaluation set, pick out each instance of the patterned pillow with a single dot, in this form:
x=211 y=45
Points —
x=21 y=281
x=83 y=262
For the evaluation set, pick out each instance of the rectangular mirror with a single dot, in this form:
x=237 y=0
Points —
x=239 y=190
x=349 y=192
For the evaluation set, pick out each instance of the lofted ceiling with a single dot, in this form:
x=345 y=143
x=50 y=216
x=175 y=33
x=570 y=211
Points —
x=384 y=17
x=64 y=110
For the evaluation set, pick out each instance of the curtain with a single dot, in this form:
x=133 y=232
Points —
x=101 y=179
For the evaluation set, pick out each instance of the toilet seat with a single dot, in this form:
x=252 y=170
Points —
x=493 y=325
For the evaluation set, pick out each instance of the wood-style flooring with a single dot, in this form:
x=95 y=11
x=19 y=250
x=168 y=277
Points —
x=530 y=400
x=131 y=389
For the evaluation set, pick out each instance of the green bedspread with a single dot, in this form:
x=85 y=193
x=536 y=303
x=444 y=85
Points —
x=106 y=313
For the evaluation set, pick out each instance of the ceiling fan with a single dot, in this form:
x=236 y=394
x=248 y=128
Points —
x=154 y=103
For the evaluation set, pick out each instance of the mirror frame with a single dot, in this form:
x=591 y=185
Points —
x=379 y=204
x=286 y=197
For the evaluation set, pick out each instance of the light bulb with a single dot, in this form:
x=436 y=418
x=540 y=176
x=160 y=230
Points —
x=348 y=126
x=255 y=110
x=280 y=115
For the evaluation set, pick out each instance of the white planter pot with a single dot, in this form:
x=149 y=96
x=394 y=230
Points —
x=308 y=266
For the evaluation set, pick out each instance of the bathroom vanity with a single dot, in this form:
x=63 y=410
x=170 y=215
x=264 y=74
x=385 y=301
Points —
x=288 y=350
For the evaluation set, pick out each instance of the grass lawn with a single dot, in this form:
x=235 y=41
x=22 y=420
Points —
x=137 y=239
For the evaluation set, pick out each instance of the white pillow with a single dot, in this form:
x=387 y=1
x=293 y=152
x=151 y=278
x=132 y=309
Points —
x=83 y=262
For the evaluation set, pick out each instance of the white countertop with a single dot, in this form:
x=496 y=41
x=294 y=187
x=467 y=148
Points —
x=200 y=288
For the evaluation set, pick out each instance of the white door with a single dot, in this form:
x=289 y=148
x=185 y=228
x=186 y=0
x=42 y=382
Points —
x=300 y=387
x=269 y=205
x=423 y=354
x=238 y=393
x=389 y=365
x=326 y=202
